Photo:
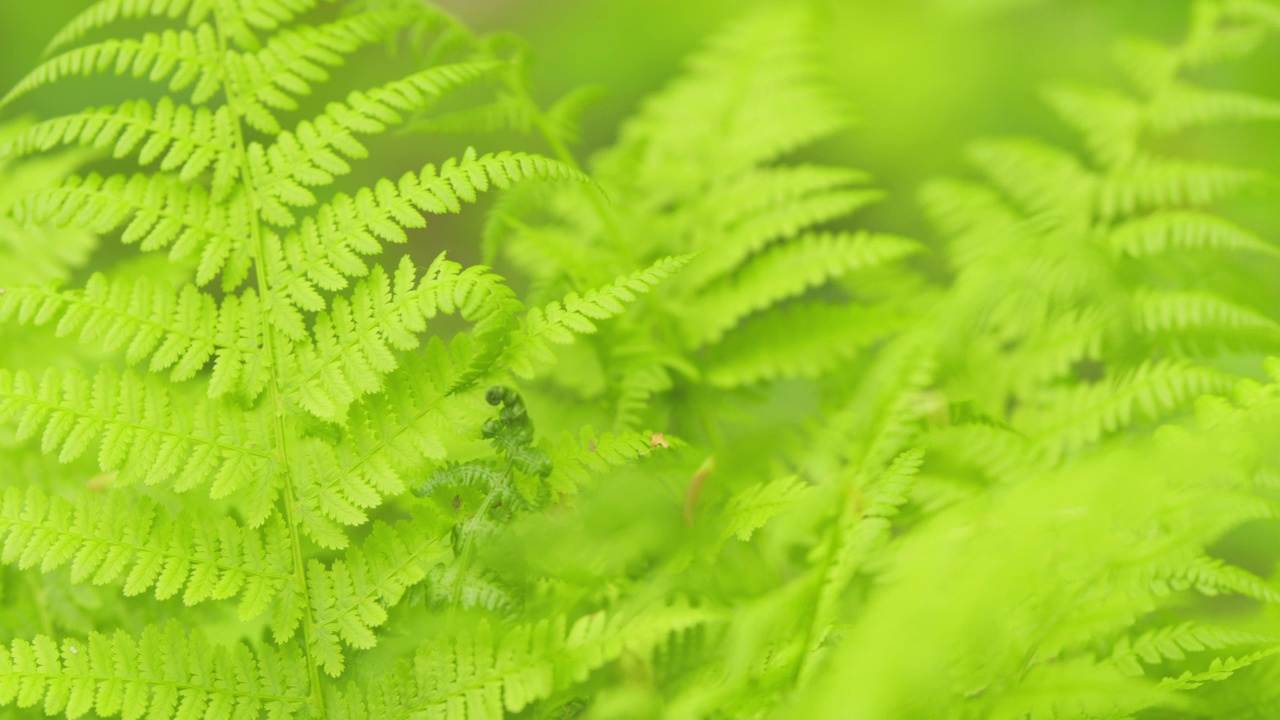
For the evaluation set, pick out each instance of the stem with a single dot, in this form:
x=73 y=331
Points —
x=468 y=547
x=273 y=387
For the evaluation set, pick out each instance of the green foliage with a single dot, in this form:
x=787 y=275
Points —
x=698 y=172
x=1017 y=470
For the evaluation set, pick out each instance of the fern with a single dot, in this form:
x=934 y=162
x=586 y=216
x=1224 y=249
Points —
x=164 y=672
x=257 y=462
x=283 y=398
x=697 y=170
x=204 y=558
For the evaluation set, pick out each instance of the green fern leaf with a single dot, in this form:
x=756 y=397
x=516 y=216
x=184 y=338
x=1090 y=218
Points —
x=784 y=221
x=1073 y=418
x=166 y=672
x=271 y=78
x=1184 y=312
x=480 y=676
x=178 y=331
x=131 y=537
x=313 y=154
x=1173 y=642
x=1168 y=230
x=260 y=14
x=575 y=460
x=560 y=320
x=348 y=598
x=718 y=120
x=1111 y=122
x=388 y=437
x=143 y=430
x=350 y=348
x=1181 y=107
x=182 y=57
x=783 y=272
x=160 y=211
x=186 y=139
x=1219 y=669
x=1152 y=183
x=326 y=250
x=750 y=509
x=767 y=348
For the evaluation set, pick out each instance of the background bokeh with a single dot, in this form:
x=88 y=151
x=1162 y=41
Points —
x=922 y=76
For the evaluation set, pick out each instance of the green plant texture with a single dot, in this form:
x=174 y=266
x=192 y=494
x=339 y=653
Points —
x=345 y=377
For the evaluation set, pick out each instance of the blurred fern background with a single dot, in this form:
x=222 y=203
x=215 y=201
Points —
x=923 y=77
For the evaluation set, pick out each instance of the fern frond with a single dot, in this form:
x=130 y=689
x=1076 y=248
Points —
x=470 y=587
x=890 y=491
x=1050 y=352
x=271 y=78
x=156 y=211
x=186 y=139
x=784 y=221
x=785 y=271
x=182 y=57
x=564 y=117
x=1212 y=576
x=1219 y=669
x=750 y=509
x=505 y=113
x=313 y=154
x=766 y=189
x=1209 y=41
x=326 y=250
x=554 y=256
x=766 y=347
x=179 y=331
x=105 y=12
x=642 y=379
x=1149 y=64
x=1110 y=121
x=1152 y=183
x=748 y=98
x=348 y=598
x=1070 y=419
x=1037 y=176
x=1181 y=106
x=259 y=14
x=575 y=460
x=1167 y=230
x=958 y=207
x=142 y=428
x=481 y=476
x=999 y=453
x=350 y=348
x=480 y=676
x=1173 y=642
x=165 y=672
x=560 y=320
x=389 y=437
x=1076 y=687
x=1180 y=313
x=883 y=417
x=127 y=536
x=862 y=525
